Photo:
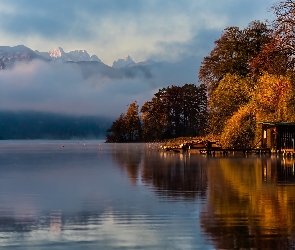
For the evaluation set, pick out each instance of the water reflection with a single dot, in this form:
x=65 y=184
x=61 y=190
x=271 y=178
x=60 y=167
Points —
x=83 y=195
x=176 y=175
x=279 y=169
x=169 y=174
x=133 y=196
x=128 y=157
x=246 y=208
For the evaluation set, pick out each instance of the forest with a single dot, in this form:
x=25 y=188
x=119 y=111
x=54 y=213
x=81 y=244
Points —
x=248 y=77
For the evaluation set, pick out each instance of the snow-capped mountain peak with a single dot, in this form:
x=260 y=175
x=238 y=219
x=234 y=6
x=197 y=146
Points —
x=56 y=53
x=60 y=55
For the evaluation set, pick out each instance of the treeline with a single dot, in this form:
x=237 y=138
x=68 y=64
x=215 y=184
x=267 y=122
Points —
x=173 y=111
x=38 y=125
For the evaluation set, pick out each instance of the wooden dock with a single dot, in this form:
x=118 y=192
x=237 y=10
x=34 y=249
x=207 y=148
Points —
x=245 y=151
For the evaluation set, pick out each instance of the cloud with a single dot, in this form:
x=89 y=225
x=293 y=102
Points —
x=113 y=29
x=88 y=88
x=160 y=30
x=61 y=88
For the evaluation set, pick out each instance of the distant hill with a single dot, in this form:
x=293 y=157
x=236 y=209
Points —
x=38 y=125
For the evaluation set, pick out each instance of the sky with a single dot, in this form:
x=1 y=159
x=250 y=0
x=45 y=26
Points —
x=112 y=29
x=160 y=30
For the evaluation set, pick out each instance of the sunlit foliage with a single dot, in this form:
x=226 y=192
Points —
x=272 y=98
x=233 y=53
x=239 y=130
x=250 y=78
x=232 y=93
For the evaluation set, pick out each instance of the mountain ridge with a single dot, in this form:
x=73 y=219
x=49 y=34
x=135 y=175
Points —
x=23 y=53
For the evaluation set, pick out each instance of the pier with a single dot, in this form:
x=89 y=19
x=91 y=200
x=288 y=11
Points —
x=245 y=151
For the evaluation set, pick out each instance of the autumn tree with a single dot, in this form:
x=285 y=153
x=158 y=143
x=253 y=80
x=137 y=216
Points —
x=175 y=111
x=272 y=59
x=239 y=131
x=153 y=119
x=132 y=123
x=250 y=77
x=277 y=56
x=274 y=98
x=233 y=53
x=284 y=24
x=127 y=128
x=232 y=93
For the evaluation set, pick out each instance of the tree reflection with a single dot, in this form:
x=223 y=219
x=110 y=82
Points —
x=128 y=157
x=247 y=208
x=170 y=174
x=174 y=174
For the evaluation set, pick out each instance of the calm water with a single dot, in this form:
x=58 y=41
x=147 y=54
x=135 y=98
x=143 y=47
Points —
x=92 y=195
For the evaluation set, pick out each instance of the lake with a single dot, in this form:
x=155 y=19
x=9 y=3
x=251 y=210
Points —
x=93 y=195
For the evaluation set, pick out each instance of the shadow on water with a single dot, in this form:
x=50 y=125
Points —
x=250 y=204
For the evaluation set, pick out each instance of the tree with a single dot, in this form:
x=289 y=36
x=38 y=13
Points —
x=232 y=93
x=117 y=130
x=233 y=53
x=175 y=111
x=153 y=119
x=127 y=128
x=239 y=131
x=274 y=98
x=284 y=24
x=132 y=123
x=194 y=109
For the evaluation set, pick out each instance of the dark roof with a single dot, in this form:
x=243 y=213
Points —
x=278 y=123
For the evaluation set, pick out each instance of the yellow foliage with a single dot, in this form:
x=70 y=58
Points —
x=232 y=93
x=272 y=98
x=239 y=130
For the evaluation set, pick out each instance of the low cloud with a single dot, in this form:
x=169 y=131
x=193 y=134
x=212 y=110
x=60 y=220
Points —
x=64 y=88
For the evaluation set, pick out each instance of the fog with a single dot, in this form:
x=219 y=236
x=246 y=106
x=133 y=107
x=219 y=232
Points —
x=87 y=89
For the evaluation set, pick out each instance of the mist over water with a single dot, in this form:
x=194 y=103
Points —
x=88 y=194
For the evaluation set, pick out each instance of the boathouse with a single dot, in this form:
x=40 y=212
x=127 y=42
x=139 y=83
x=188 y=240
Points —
x=278 y=136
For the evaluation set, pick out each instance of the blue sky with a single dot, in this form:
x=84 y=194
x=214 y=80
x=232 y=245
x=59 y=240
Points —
x=144 y=29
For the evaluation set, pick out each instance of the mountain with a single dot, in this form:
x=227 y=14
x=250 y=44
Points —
x=59 y=54
x=10 y=55
x=120 y=63
x=155 y=73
